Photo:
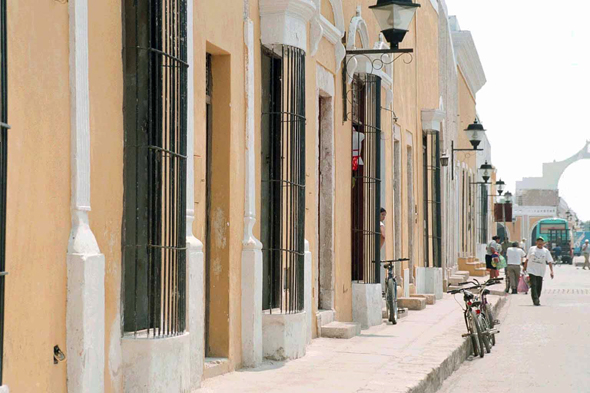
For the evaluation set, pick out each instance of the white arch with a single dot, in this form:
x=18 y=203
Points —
x=358 y=25
x=322 y=27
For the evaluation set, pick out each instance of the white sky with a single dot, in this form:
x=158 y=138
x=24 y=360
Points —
x=535 y=104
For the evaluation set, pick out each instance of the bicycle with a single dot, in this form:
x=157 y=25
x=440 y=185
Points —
x=485 y=308
x=391 y=289
x=472 y=322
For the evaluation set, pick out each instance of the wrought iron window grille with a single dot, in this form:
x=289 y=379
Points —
x=366 y=181
x=155 y=113
x=283 y=178
x=4 y=127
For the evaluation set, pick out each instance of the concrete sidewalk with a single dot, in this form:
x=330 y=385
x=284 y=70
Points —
x=416 y=355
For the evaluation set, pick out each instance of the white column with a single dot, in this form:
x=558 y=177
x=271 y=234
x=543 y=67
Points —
x=85 y=312
x=195 y=265
x=251 y=246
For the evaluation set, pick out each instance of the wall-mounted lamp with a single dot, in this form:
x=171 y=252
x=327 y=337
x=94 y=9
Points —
x=394 y=18
x=475 y=133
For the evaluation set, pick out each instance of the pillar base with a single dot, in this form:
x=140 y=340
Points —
x=367 y=304
x=429 y=281
x=285 y=335
x=156 y=365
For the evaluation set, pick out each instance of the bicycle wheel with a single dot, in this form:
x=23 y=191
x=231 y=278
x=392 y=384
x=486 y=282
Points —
x=471 y=322
x=490 y=317
x=479 y=333
x=391 y=302
x=485 y=335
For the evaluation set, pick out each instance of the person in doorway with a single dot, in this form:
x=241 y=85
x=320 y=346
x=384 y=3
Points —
x=522 y=244
x=536 y=264
x=492 y=248
x=382 y=225
x=586 y=254
x=515 y=255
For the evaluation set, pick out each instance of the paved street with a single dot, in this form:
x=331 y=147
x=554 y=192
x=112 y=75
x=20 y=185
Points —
x=539 y=349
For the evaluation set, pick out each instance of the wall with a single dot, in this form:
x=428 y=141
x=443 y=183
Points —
x=38 y=206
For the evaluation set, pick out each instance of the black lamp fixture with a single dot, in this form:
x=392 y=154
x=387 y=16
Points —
x=486 y=171
x=394 y=18
x=475 y=132
x=500 y=186
x=508 y=197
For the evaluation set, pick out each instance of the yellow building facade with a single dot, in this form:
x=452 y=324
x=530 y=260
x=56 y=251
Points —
x=184 y=184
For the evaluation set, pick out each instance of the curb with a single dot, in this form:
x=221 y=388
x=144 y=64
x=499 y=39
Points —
x=435 y=378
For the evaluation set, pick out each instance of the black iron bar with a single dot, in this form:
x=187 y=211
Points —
x=4 y=127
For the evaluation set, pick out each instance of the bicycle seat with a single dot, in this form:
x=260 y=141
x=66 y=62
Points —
x=468 y=295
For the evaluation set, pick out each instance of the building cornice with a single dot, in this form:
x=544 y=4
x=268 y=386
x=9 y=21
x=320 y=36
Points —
x=468 y=60
x=284 y=22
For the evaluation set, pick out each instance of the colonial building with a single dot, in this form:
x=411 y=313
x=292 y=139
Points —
x=192 y=186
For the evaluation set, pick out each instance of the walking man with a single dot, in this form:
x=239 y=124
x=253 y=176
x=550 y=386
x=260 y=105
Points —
x=515 y=254
x=586 y=254
x=536 y=264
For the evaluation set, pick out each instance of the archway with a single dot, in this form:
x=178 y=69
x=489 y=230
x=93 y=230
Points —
x=503 y=232
x=574 y=190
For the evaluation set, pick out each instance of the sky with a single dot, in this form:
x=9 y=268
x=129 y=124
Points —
x=536 y=103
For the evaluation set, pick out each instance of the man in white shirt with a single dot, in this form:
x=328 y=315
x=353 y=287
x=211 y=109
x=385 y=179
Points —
x=536 y=265
x=522 y=244
x=514 y=256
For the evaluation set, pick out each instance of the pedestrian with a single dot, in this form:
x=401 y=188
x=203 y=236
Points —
x=382 y=225
x=514 y=260
x=586 y=254
x=557 y=252
x=491 y=249
x=523 y=244
x=535 y=265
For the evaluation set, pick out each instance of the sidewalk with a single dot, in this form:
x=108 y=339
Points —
x=416 y=355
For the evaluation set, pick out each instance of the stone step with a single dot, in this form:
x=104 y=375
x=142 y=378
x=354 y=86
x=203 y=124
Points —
x=325 y=317
x=412 y=303
x=455 y=280
x=430 y=298
x=344 y=330
x=462 y=273
x=480 y=272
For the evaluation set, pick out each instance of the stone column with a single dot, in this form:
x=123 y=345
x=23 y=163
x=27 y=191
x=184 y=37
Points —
x=85 y=311
x=251 y=246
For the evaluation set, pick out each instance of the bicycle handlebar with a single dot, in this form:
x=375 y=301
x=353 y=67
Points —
x=393 y=260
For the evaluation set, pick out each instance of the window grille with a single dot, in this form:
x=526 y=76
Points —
x=3 y=168
x=483 y=236
x=283 y=178
x=154 y=287
x=366 y=182
x=433 y=195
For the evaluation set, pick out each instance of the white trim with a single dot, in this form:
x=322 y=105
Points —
x=409 y=139
x=432 y=119
x=284 y=22
x=195 y=291
x=322 y=27
x=357 y=25
x=85 y=304
x=251 y=247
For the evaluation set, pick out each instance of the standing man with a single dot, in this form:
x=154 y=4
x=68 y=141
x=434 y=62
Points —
x=523 y=244
x=536 y=264
x=586 y=254
x=514 y=260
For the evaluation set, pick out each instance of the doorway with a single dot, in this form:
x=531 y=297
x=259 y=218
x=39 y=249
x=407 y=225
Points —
x=325 y=189
x=411 y=209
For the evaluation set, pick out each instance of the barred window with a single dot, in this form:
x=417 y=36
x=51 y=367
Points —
x=155 y=115
x=283 y=178
x=3 y=168
x=366 y=180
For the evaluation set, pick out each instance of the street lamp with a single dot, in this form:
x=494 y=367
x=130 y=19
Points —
x=394 y=18
x=508 y=197
x=500 y=186
x=475 y=132
x=486 y=170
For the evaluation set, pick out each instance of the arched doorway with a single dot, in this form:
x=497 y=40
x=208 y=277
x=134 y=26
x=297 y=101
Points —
x=502 y=232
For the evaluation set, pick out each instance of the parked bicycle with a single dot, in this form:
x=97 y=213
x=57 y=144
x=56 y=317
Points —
x=477 y=325
x=485 y=306
x=391 y=289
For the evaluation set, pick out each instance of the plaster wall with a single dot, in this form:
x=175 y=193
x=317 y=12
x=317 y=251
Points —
x=38 y=205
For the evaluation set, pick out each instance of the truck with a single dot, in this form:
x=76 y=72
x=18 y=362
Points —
x=579 y=239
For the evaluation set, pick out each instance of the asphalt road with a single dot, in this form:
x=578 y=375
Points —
x=539 y=349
